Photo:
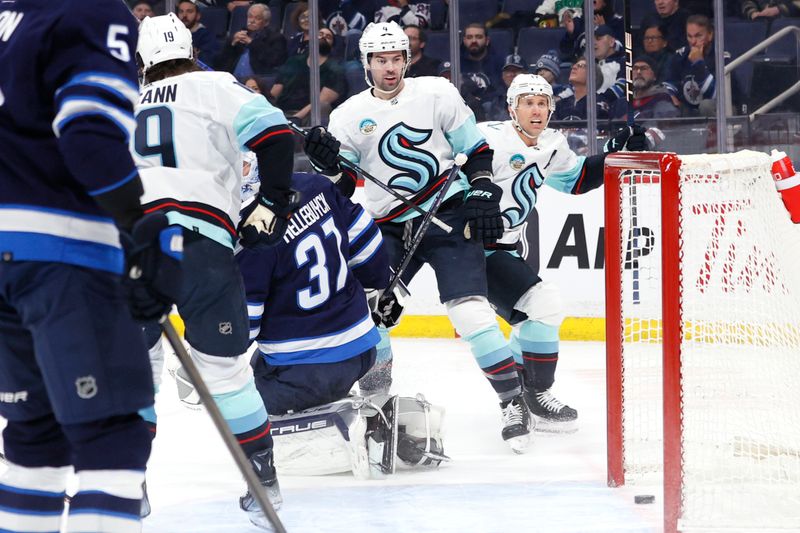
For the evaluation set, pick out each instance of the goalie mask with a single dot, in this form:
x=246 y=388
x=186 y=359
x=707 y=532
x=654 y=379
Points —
x=382 y=37
x=162 y=39
x=528 y=85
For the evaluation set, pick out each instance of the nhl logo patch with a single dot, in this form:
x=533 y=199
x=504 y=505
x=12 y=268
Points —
x=86 y=386
x=516 y=161
x=367 y=126
x=225 y=328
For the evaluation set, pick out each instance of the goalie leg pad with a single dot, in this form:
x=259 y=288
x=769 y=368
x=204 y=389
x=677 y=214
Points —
x=420 y=430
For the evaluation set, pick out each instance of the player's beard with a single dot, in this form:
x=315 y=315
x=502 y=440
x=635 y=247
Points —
x=324 y=47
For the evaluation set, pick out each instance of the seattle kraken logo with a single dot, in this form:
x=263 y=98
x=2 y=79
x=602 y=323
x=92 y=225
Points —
x=524 y=192
x=399 y=149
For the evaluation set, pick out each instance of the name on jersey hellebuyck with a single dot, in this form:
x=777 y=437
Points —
x=305 y=216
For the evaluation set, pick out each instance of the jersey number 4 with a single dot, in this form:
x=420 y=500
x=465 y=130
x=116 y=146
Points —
x=154 y=135
x=318 y=272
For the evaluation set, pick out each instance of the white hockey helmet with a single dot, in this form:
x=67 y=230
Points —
x=382 y=37
x=524 y=85
x=163 y=38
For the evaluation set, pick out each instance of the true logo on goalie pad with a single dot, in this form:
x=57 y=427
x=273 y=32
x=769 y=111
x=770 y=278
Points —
x=299 y=427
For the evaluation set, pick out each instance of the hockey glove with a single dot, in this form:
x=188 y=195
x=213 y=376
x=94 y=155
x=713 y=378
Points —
x=323 y=150
x=264 y=220
x=387 y=309
x=630 y=138
x=152 y=278
x=482 y=211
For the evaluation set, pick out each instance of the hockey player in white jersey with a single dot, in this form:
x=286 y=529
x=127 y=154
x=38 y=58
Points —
x=406 y=132
x=527 y=154
x=192 y=127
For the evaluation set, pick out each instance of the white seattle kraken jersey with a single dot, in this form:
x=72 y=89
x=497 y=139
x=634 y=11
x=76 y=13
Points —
x=520 y=169
x=191 y=131
x=407 y=142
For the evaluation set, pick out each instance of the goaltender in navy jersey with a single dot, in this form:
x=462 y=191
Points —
x=305 y=295
x=47 y=212
x=519 y=170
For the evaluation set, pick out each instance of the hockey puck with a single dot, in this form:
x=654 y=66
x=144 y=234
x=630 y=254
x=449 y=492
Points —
x=644 y=498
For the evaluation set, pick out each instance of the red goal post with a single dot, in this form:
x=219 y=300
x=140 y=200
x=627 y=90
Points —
x=702 y=313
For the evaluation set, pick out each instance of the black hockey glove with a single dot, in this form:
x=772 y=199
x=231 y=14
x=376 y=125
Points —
x=264 y=220
x=387 y=309
x=630 y=138
x=323 y=150
x=482 y=211
x=152 y=279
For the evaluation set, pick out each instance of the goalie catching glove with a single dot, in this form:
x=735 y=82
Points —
x=482 y=211
x=264 y=220
x=630 y=138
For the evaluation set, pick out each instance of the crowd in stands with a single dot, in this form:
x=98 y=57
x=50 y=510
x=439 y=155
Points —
x=266 y=44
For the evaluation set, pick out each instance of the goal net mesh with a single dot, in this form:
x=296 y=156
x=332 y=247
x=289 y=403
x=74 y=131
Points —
x=740 y=351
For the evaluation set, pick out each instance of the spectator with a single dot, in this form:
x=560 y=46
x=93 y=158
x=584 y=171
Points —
x=419 y=64
x=342 y=16
x=548 y=66
x=405 y=13
x=300 y=19
x=551 y=13
x=292 y=88
x=654 y=44
x=650 y=98
x=479 y=62
x=514 y=65
x=754 y=9
x=693 y=78
x=672 y=18
x=259 y=85
x=610 y=56
x=573 y=44
x=142 y=9
x=203 y=41
x=256 y=49
x=572 y=105
x=473 y=93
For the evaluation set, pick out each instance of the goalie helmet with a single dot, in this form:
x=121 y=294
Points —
x=382 y=37
x=163 y=38
x=525 y=85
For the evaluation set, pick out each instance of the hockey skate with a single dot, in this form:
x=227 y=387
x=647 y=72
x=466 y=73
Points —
x=551 y=415
x=265 y=470
x=517 y=423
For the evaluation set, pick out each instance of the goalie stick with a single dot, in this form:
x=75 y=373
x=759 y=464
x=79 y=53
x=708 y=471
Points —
x=460 y=159
x=397 y=196
x=222 y=426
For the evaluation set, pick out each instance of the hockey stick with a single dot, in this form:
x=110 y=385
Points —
x=460 y=159
x=397 y=196
x=630 y=121
x=222 y=426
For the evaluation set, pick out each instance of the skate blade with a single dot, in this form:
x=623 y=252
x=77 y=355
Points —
x=546 y=426
x=519 y=444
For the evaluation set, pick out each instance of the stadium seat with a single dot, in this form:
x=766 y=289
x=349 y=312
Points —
x=476 y=11
x=438 y=45
x=520 y=6
x=438 y=14
x=354 y=74
x=275 y=7
x=216 y=20
x=287 y=28
x=740 y=36
x=503 y=41
x=351 y=51
x=785 y=48
x=238 y=19
x=533 y=42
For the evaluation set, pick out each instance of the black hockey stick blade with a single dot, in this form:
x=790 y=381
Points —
x=397 y=196
x=230 y=441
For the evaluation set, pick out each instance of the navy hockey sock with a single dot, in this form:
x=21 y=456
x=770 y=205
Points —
x=538 y=343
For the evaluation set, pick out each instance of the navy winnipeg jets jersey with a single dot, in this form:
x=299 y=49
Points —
x=305 y=295
x=67 y=88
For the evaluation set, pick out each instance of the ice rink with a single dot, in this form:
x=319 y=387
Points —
x=558 y=486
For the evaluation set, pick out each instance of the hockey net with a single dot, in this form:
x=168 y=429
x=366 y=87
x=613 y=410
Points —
x=703 y=339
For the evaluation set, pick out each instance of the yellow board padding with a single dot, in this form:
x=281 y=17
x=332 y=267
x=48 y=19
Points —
x=438 y=326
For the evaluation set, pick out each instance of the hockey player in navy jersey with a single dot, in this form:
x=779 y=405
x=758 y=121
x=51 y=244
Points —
x=527 y=155
x=407 y=133
x=73 y=364
x=306 y=301
x=192 y=128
